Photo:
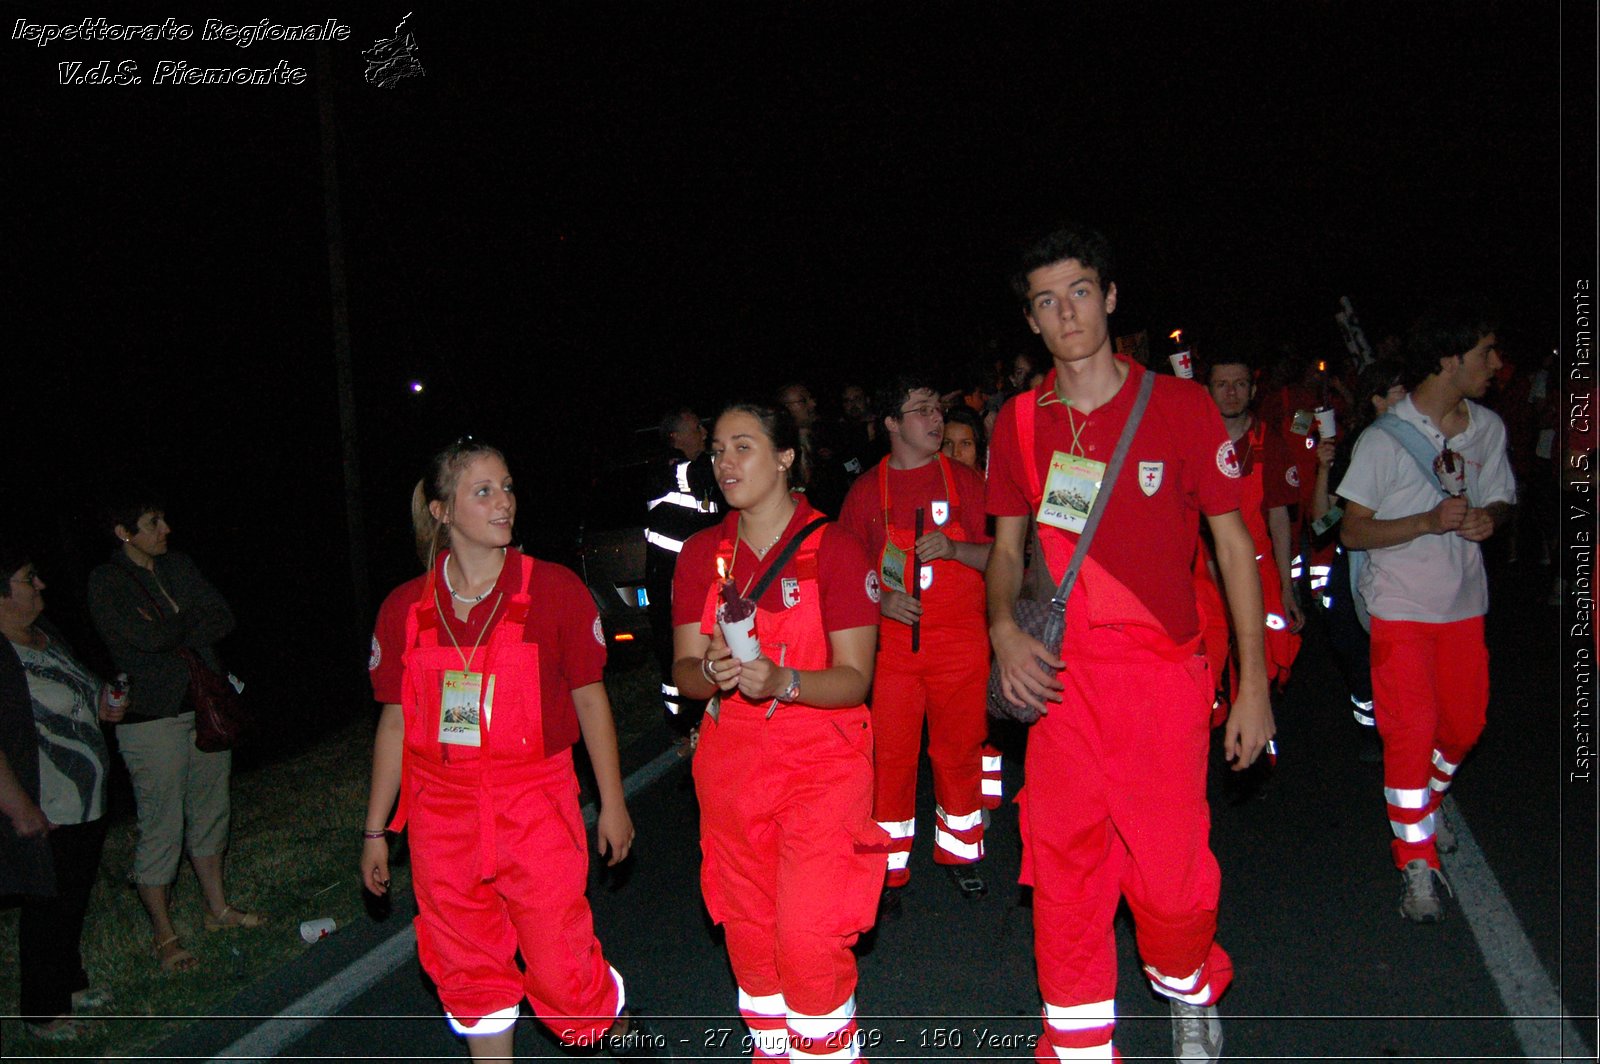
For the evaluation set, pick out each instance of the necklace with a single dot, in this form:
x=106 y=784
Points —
x=465 y=600
x=760 y=552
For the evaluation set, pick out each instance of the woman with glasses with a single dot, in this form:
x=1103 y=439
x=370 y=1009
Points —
x=489 y=668
x=53 y=762
x=149 y=605
x=792 y=859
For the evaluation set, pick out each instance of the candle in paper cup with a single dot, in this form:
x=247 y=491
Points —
x=736 y=616
x=1452 y=471
x=1182 y=365
x=1326 y=426
x=317 y=930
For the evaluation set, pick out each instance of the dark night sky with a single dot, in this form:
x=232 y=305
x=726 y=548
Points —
x=586 y=209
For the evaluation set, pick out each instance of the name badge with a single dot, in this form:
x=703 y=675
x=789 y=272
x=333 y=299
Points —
x=1069 y=491
x=894 y=567
x=459 y=699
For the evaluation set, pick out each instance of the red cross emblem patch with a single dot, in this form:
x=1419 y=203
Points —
x=1150 y=476
x=1228 y=460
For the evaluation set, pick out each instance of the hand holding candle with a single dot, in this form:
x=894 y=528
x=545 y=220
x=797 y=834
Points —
x=736 y=616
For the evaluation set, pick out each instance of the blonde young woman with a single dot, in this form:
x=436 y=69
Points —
x=488 y=667
x=792 y=857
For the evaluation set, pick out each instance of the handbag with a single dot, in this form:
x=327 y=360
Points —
x=1046 y=621
x=220 y=717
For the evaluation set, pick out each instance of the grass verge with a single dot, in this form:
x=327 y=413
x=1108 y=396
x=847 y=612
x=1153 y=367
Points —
x=295 y=843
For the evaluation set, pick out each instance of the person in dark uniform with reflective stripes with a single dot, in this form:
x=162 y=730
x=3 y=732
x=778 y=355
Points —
x=684 y=498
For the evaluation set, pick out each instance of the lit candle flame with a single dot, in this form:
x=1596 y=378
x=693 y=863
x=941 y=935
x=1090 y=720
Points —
x=1322 y=367
x=1176 y=334
x=722 y=569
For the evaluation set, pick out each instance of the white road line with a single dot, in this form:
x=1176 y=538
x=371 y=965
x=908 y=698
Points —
x=1530 y=998
x=272 y=1036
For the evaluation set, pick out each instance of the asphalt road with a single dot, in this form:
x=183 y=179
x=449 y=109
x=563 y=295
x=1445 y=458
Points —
x=1325 y=966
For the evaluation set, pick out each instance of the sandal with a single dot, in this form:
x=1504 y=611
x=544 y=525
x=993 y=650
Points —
x=230 y=917
x=172 y=955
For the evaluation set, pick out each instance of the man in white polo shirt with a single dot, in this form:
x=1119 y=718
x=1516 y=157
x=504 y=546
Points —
x=1422 y=492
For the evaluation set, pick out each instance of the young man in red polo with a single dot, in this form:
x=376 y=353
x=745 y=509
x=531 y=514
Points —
x=933 y=644
x=1115 y=801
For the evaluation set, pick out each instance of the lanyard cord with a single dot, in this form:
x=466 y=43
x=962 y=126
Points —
x=466 y=659
x=1077 y=430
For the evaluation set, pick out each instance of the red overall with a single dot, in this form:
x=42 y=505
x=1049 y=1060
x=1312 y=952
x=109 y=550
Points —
x=1282 y=645
x=791 y=860
x=1115 y=807
x=946 y=682
x=498 y=851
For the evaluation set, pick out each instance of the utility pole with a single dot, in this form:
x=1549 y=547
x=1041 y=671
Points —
x=350 y=452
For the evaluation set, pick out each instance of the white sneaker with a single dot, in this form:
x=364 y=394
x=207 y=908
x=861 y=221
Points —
x=1196 y=1032
x=1420 y=903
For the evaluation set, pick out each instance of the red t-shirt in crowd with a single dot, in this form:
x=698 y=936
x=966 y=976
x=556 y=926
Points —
x=862 y=513
x=1280 y=474
x=848 y=584
x=1181 y=464
x=563 y=622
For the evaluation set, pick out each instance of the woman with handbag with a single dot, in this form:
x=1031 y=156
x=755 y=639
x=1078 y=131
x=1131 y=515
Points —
x=156 y=614
x=489 y=669
x=792 y=859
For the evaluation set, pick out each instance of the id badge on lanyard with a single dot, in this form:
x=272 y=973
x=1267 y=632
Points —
x=1069 y=491
x=459 y=699
x=894 y=567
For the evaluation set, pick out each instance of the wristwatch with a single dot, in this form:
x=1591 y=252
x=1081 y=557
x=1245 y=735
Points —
x=792 y=692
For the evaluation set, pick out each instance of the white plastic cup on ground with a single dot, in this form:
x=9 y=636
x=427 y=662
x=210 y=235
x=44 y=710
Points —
x=1182 y=365
x=741 y=637
x=314 y=931
x=1326 y=426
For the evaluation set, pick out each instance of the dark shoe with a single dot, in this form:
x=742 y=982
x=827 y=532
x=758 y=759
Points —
x=642 y=1042
x=60 y=1029
x=1371 y=747
x=889 y=904
x=967 y=881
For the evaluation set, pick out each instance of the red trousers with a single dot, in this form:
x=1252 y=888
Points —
x=1430 y=693
x=945 y=684
x=791 y=862
x=1114 y=807
x=469 y=930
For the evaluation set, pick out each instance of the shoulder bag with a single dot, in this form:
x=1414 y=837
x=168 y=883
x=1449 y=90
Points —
x=1046 y=621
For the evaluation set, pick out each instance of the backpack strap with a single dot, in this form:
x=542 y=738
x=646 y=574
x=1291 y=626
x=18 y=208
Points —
x=1418 y=446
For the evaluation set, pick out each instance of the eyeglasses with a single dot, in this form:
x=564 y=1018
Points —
x=924 y=410
x=26 y=579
